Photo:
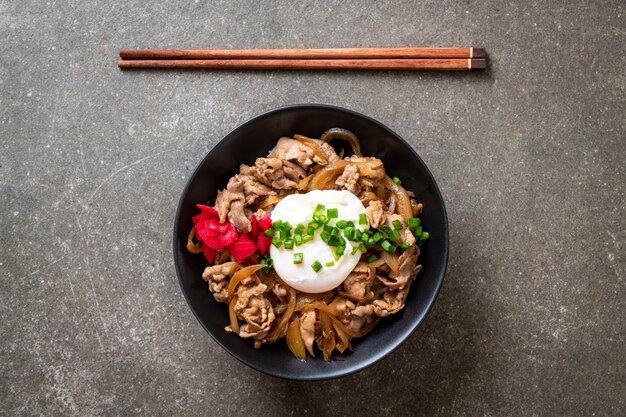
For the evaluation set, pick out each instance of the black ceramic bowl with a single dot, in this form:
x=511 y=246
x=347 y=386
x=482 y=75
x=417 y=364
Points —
x=256 y=138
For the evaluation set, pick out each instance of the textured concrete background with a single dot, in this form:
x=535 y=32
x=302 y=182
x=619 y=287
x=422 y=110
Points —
x=529 y=156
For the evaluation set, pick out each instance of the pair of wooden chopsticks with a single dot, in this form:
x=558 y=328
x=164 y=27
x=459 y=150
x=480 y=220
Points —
x=443 y=59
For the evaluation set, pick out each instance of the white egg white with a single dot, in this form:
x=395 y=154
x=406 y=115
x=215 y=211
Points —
x=298 y=209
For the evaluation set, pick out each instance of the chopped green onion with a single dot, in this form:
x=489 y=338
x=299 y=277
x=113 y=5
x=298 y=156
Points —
x=350 y=224
x=341 y=224
x=321 y=218
x=277 y=242
x=414 y=222
x=299 y=229
x=337 y=241
x=363 y=218
x=354 y=250
x=372 y=258
x=386 y=245
x=310 y=231
x=364 y=237
x=397 y=224
x=269 y=233
x=405 y=245
x=417 y=231
x=319 y=210
x=277 y=224
x=325 y=236
x=394 y=235
x=397 y=180
x=362 y=248
x=340 y=250
x=332 y=213
x=348 y=232
x=334 y=231
x=328 y=229
x=316 y=265
x=370 y=241
x=357 y=234
x=307 y=238
x=297 y=240
x=377 y=237
x=329 y=264
x=289 y=244
x=424 y=236
x=298 y=257
x=269 y=263
x=314 y=225
x=286 y=226
x=385 y=228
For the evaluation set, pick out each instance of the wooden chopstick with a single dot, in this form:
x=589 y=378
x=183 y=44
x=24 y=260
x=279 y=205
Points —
x=334 y=53
x=463 y=64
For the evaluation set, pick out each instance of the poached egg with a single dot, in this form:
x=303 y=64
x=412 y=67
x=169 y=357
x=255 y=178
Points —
x=298 y=209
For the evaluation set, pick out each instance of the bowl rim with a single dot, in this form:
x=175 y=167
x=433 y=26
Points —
x=376 y=358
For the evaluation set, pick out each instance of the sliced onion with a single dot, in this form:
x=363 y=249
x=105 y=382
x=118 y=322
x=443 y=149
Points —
x=417 y=207
x=325 y=178
x=304 y=182
x=271 y=200
x=194 y=248
x=294 y=340
x=239 y=276
x=322 y=306
x=403 y=200
x=392 y=203
x=328 y=334
x=234 y=323
x=315 y=146
x=305 y=299
x=377 y=263
x=392 y=260
x=345 y=340
x=337 y=133
x=279 y=330
x=381 y=193
x=365 y=330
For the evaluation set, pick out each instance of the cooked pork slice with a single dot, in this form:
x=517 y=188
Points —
x=253 y=189
x=237 y=216
x=293 y=171
x=405 y=234
x=371 y=169
x=218 y=277
x=255 y=310
x=349 y=180
x=291 y=150
x=307 y=330
x=407 y=270
x=375 y=213
x=329 y=152
x=230 y=204
x=358 y=283
x=272 y=172
x=281 y=293
x=392 y=302
x=360 y=316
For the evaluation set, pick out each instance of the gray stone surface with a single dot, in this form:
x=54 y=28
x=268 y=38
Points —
x=529 y=156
